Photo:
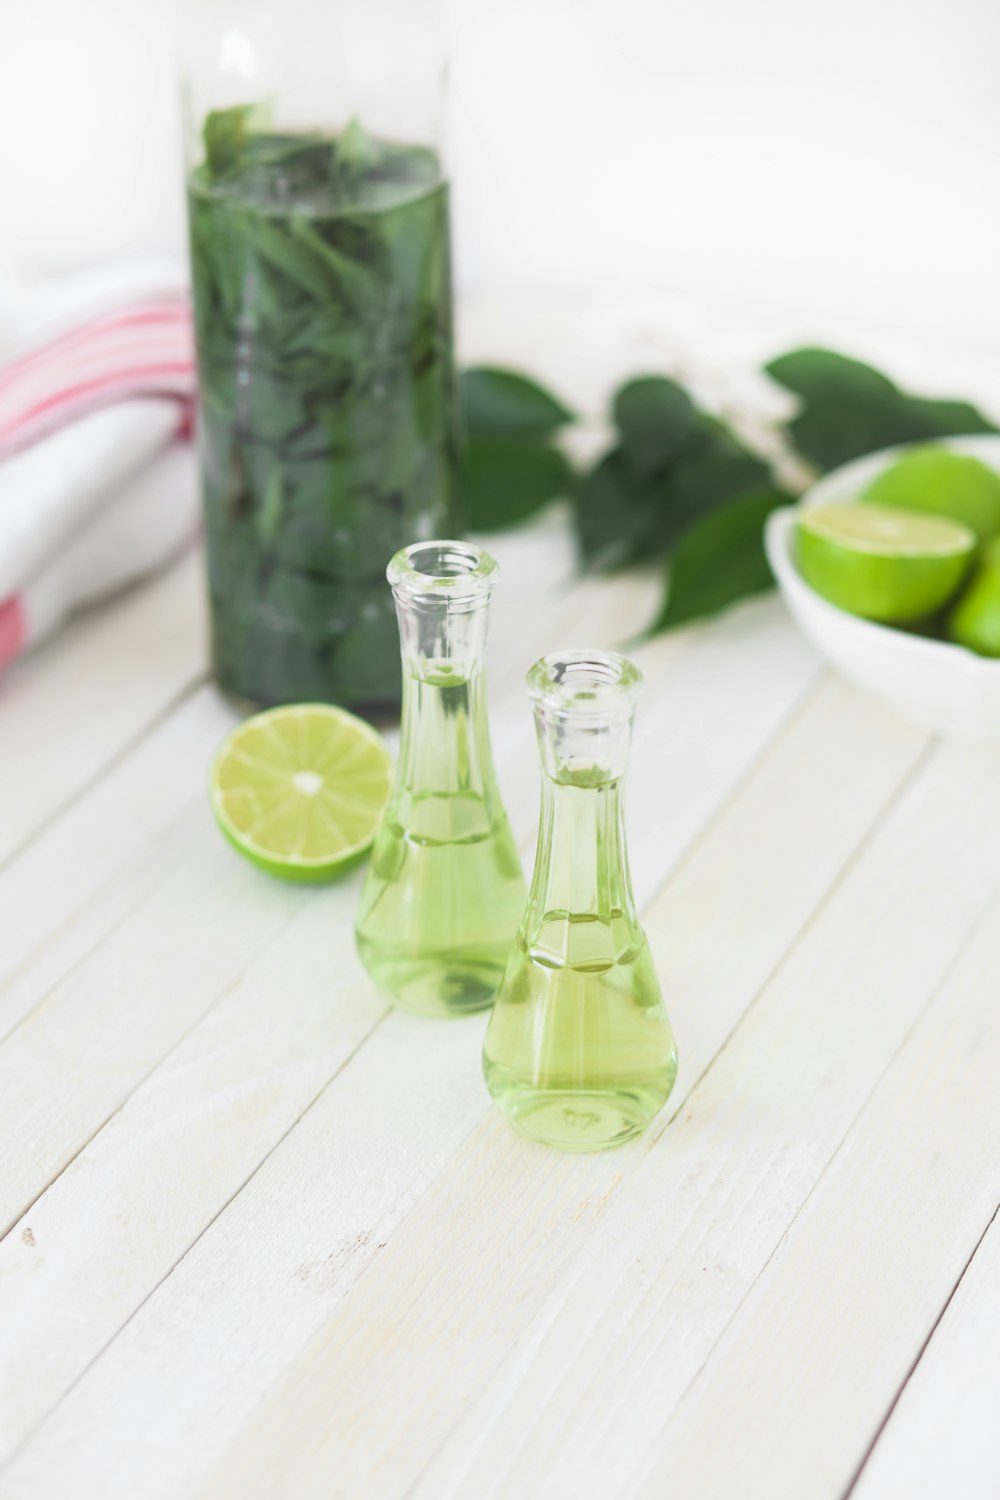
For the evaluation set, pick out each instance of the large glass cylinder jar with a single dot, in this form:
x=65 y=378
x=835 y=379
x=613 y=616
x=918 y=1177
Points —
x=320 y=264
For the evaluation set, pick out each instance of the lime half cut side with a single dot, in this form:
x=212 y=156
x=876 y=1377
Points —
x=937 y=481
x=881 y=562
x=299 y=790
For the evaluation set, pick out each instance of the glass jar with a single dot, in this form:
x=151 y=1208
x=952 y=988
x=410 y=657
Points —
x=318 y=208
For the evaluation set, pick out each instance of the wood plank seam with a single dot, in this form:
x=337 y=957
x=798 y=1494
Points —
x=843 y=875
x=10 y=1457
x=93 y=899
x=119 y=755
x=230 y=985
x=855 y=1478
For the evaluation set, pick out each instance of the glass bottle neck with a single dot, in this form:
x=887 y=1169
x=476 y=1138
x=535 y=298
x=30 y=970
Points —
x=443 y=591
x=581 y=910
x=581 y=867
x=445 y=743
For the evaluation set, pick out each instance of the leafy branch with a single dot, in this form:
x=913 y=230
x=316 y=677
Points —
x=678 y=485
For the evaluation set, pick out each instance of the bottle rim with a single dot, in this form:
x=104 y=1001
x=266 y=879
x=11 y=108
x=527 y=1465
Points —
x=446 y=571
x=585 y=684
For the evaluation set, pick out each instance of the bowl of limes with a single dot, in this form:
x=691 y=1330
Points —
x=891 y=565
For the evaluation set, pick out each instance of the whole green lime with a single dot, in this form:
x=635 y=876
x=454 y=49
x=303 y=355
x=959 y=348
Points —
x=943 y=483
x=881 y=563
x=975 y=620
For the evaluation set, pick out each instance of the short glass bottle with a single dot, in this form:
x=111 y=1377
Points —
x=444 y=890
x=579 y=1052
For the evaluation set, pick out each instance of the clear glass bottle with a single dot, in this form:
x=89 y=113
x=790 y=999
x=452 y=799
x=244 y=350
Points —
x=579 y=1052
x=318 y=208
x=444 y=890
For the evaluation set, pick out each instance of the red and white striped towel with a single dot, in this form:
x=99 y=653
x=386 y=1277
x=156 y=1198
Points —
x=143 y=349
x=95 y=488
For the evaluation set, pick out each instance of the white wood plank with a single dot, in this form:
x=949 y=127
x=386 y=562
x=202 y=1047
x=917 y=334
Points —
x=941 y=1439
x=534 y=1321
x=814 y=1358
x=68 y=709
x=69 y=1065
x=267 y=1274
x=102 y=856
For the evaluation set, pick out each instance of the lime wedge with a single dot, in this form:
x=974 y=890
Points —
x=881 y=562
x=943 y=483
x=299 y=790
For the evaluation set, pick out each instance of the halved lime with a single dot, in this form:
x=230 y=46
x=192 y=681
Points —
x=881 y=562
x=299 y=790
x=939 y=482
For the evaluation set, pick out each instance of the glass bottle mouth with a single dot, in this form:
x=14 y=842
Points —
x=587 y=686
x=447 y=573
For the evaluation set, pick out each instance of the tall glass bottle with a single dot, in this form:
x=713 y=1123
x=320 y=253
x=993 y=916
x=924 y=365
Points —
x=579 y=1052
x=444 y=889
x=318 y=206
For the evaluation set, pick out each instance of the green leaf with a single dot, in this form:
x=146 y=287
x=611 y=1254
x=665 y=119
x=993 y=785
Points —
x=354 y=282
x=502 y=481
x=657 y=420
x=703 y=483
x=499 y=403
x=849 y=409
x=356 y=151
x=622 y=518
x=949 y=418
x=719 y=560
x=614 y=512
x=271 y=511
x=225 y=133
x=276 y=244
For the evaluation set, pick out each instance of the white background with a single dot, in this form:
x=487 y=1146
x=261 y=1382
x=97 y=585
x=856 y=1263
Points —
x=828 y=161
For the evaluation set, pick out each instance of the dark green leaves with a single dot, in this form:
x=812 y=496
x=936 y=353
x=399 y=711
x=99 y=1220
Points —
x=673 y=465
x=501 y=483
x=719 y=559
x=500 y=403
x=657 y=420
x=508 y=467
x=849 y=409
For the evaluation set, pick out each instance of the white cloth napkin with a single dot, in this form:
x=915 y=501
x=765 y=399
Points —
x=97 y=478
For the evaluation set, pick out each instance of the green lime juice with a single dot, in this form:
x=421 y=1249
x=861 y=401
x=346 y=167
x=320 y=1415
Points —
x=580 y=1053
x=444 y=890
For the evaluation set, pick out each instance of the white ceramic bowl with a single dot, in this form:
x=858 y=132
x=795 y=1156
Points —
x=933 y=684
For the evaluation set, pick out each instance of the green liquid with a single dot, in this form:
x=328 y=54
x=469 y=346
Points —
x=579 y=1053
x=445 y=890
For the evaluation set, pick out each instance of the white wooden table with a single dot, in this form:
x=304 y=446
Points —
x=265 y=1237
